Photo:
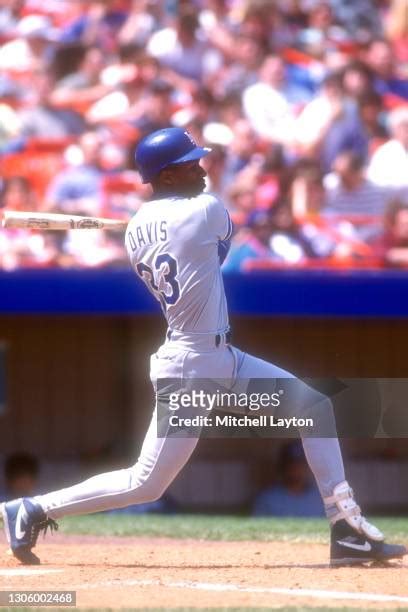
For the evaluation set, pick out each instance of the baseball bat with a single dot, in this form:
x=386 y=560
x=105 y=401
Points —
x=54 y=221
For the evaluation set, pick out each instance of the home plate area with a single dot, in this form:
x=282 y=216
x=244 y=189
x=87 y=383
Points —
x=114 y=572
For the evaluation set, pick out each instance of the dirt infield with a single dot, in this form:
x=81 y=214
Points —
x=116 y=572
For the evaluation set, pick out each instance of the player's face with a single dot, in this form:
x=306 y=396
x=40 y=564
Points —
x=184 y=179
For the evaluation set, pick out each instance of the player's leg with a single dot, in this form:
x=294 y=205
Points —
x=353 y=538
x=323 y=454
x=160 y=461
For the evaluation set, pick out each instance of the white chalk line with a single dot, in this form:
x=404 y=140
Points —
x=219 y=587
x=24 y=571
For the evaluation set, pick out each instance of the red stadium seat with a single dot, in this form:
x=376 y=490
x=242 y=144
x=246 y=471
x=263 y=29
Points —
x=40 y=161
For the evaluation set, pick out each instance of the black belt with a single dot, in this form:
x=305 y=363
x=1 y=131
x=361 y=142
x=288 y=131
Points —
x=228 y=338
x=217 y=337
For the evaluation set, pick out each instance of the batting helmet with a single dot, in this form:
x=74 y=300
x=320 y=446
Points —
x=164 y=148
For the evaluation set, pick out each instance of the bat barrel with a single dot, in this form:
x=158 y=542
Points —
x=57 y=221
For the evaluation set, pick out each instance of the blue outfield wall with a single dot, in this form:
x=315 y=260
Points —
x=283 y=292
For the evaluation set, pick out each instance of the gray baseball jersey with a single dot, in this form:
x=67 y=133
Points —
x=173 y=246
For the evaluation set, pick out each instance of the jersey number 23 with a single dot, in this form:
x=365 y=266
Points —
x=162 y=279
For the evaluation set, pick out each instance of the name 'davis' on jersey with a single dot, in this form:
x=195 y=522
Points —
x=149 y=233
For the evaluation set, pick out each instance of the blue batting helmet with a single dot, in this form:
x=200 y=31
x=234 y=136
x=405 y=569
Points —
x=164 y=148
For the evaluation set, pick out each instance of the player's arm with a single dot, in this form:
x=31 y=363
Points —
x=220 y=225
x=224 y=244
x=223 y=249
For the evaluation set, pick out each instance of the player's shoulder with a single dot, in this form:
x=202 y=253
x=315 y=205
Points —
x=207 y=207
x=204 y=206
x=203 y=203
x=208 y=201
x=208 y=197
x=146 y=209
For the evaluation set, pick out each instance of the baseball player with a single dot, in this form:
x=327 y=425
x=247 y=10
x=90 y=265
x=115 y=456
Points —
x=176 y=243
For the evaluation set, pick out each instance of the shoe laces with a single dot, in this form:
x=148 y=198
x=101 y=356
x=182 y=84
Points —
x=47 y=523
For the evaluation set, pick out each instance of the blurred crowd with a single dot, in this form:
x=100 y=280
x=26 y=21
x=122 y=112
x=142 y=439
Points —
x=304 y=103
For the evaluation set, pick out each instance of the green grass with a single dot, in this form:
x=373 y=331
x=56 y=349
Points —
x=228 y=528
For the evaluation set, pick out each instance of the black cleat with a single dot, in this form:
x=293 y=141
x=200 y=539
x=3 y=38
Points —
x=23 y=520
x=348 y=547
x=355 y=541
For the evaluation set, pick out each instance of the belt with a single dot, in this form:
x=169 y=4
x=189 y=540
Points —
x=200 y=339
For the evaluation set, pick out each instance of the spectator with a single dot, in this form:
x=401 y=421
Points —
x=17 y=194
x=230 y=109
x=328 y=235
x=250 y=179
x=271 y=235
x=370 y=109
x=307 y=197
x=129 y=82
x=295 y=493
x=397 y=30
x=387 y=79
x=9 y=16
x=319 y=32
x=270 y=104
x=355 y=198
x=360 y=18
x=256 y=20
x=157 y=108
x=330 y=124
x=77 y=189
x=200 y=109
x=357 y=80
x=181 y=50
x=274 y=179
x=263 y=175
x=288 y=242
x=32 y=48
x=23 y=247
x=98 y=23
x=21 y=472
x=125 y=98
x=240 y=151
x=10 y=125
x=45 y=120
x=92 y=249
x=250 y=243
x=215 y=14
x=306 y=192
x=389 y=164
x=350 y=193
x=80 y=89
x=246 y=53
x=143 y=19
